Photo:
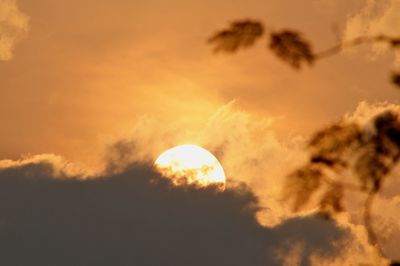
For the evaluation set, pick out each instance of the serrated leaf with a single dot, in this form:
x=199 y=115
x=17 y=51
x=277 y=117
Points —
x=396 y=79
x=328 y=145
x=395 y=42
x=291 y=47
x=301 y=184
x=331 y=201
x=240 y=34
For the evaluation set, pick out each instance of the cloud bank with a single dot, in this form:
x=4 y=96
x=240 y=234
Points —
x=136 y=217
x=245 y=144
x=251 y=153
x=56 y=212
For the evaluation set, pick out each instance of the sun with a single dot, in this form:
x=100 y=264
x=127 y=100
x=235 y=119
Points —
x=191 y=164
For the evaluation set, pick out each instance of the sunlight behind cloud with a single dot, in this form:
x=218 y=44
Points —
x=191 y=164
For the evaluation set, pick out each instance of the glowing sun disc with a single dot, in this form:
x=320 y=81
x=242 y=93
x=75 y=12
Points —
x=191 y=164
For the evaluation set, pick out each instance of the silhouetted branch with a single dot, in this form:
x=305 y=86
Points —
x=371 y=155
x=344 y=184
x=370 y=152
x=372 y=238
x=393 y=41
x=289 y=45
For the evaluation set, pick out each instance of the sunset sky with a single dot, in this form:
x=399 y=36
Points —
x=93 y=91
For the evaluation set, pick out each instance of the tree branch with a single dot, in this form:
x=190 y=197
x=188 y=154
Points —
x=372 y=237
x=356 y=42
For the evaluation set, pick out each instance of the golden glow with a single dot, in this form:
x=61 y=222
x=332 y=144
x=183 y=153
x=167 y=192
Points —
x=191 y=164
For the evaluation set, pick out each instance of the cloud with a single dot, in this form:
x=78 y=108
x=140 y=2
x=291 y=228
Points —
x=365 y=111
x=102 y=69
x=126 y=199
x=135 y=217
x=374 y=18
x=386 y=209
x=251 y=153
x=13 y=26
x=244 y=143
x=60 y=167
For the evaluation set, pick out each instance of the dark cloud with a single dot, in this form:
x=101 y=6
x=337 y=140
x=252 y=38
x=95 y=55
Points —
x=137 y=218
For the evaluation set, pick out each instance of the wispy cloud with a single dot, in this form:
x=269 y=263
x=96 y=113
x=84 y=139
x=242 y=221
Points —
x=376 y=17
x=13 y=26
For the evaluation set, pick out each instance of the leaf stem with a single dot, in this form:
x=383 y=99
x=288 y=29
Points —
x=354 y=42
x=372 y=237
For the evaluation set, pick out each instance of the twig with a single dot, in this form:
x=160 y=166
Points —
x=373 y=239
x=351 y=43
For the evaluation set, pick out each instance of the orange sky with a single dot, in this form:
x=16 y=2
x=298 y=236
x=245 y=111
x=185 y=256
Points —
x=85 y=71
x=79 y=76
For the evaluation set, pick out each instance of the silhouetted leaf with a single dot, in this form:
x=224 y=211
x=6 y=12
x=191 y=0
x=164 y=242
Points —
x=395 y=263
x=387 y=126
x=385 y=120
x=371 y=168
x=395 y=42
x=330 y=162
x=240 y=34
x=370 y=152
x=396 y=79
x=328 y=145
x=331 y=201
x=301 y=184
x=380 y=154
x=292 y=48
